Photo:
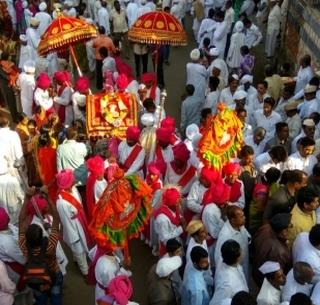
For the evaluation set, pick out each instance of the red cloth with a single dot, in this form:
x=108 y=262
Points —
x=90 y=200
x=181 y=152
x=4 y=219
x=169 y=123
x=120 y=288
x=133 y=133
x=150 y=78
x=235 y=191
x=82 y=85
x=171 y=197
x=43 y=81
x=41 y=203
x=122 y=82
x=163 y=135
x=231 y=168
x=65 y=179
x=175 y=219
x=210 y=175
x=218 y=193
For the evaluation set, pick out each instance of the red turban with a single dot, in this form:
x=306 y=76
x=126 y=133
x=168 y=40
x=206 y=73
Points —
x=43 y=81
x=171 y=197
x=120 y=288
x=181 y=152
x=148 y=77
x=210 y=175
x=218 y=193
x=41 y=203
x=133 y=133
x=4 y=219
x=65 y=179
x=60 y=77
x=163 y=134
x=153 y=169
x=122 y=82
x=169 y=123
x=95 y=165
x=82 y=84
x=231 y=168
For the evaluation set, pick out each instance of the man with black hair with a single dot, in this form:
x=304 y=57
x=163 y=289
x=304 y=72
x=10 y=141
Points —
x=274 y=279
x=230 y=277
x=243 y=298
x=303 y=159
x=270 y=243
x=281 y=138
x=303 y=214
x=300 y=299
x=253 y=34
x=314 y=179
x=195 y=287
x=306 y=249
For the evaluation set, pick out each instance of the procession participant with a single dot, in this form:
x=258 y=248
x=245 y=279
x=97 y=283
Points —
x=253 y=34
x=220 y=64
x=308 y=130
x=132 y=12
x=33 y=37
x=227 y=94
x=212 y=97
x=293 y=119
x=44 y=18
x=273 y=28
x=231 y=172
x=220 y=33
x=274 y=279
x=168 y=222
x=43 y=94
x=198 y=16
x=286 y=98
x=26 y=83
x=96 y=183
x=131 y=153
x=305 y=73
x=192 y=131
x=79 y=97
x=170 y=123
x=73 y=219
x=206 y=23
x=234 y=228
x=103 y=17
x=247 y=61
x=153 y=91
x=179 y=171
x=275 y=84
x=270 y=243
x=310 y=103
x=281 y=137
x=256 y=140
x=25 y=51
x=8 y=287
x=63 y=99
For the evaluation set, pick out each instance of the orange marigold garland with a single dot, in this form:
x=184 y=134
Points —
x=222 y=138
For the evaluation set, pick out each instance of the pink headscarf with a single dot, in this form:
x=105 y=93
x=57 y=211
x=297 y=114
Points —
x=65 y=179
x=169 y=123
x=41 y=203
x=120 y=288
x=181 y=152
x=82 y=84
x=133 y=133
x=231 y=168
x=95 y=165
x=122 y=82
x=43 y=81
x=4 y=219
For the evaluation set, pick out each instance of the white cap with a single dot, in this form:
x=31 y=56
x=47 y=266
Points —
x=269 y=267
x=34 y=21
x=195 y=54
x=25 y=4
x=147 y=119
x=308 y=123
x=23 y=38
x=235 y=76
x=218 y=65
x=246 y=79
x=214 y=52
x=167 y=265
x=191 y=131
x=238 y=26
x=42 y=6
x=239 y=95
x=142 y=87
x=310 y=89
x=29 y=66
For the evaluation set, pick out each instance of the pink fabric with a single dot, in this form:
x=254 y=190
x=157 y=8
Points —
x=43 y=81
x=41 y=203
x=163 y=134
x=121 y=289
x=210 y=175
x=113 y=167
x=181 y=152
x=153 y=169
x=124 y=68
x=4 y=219
x=169 y=123
x=133 y=133
x=82 y=84
x=171 y=197
x=218 y=193
x=95 y=166
x=148 y=77
x=113 y=146
x=122 y=82
x=231 y=168
x=65 y=179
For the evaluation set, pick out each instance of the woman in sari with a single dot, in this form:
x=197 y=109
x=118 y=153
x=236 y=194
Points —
x=47 y=164
x=266 y=185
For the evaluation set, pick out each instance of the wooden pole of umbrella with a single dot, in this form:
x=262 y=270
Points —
x=73 y=55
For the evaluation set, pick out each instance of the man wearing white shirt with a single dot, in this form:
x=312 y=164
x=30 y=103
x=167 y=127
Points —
x=253 y=35
x=308 y=130
x=33 y=37
x=273 y=28
x=299 y=279
x=151 y=5
x=132 y=12
x=212 y=97
x=303 y=159
x=275 y=157
x=256 y=140
x=306 y=248
x=246 y=85
x=305 y=73
x=143 y=8
x=310 y=104
x=103 y=17
x=220 y=33
x=230 y=277
x=293 y=119
x=44 y=18
x=219 y=63
x=206 y=23
x=227 y=94
x=25 y=51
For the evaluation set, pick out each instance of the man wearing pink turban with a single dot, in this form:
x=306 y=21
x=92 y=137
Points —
x=179 y=171
x=62 y=101
x=231 y=173
x=43 y=94
x=75 y=227
x=170 y=123
x=131 y=153
x=79 y=98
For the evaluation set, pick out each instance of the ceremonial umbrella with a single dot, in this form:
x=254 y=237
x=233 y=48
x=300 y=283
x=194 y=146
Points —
x=63 y=33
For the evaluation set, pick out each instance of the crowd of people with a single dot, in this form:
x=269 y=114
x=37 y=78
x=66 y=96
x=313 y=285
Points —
x=246 y=234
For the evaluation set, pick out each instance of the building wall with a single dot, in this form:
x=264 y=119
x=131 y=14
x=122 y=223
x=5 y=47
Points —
x=302 y=34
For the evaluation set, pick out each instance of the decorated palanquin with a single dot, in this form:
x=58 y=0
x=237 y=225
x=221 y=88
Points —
x=109 y=114
x=221 y=139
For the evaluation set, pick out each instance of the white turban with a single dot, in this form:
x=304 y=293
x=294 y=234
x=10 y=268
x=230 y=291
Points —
x=42 y=6
x=191 y=131
x=238 y=26
x=269 y=267
x=147 y=119
x=246 y=79
x=167 y=265
x=25 y=4
x=29 y=66
x=23 y=38
x=195 y=54
x=214 y=52
x=240 y=95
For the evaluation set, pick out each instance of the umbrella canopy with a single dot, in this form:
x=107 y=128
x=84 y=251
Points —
x=63 y=32
x=158 y=28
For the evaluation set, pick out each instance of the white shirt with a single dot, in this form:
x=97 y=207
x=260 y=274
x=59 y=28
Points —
x=268 y=123
x=211 y=218
x=296 y=161
x=7 y=287
x=26 y=83
x=197 y=76
x=303 y=251
x=104 y=19
x=211 y=101
x=294 y=124
x=25 y=54
x=308 y=107
x=292 y=287
x=194 y=199
x=226 y=97
x=42 y=98
x=166 y=229
x=303 y=77
x=257 y=148
x=64 y=99
x=220 y=37
x=268 y=294
x=263 y=162
x=33 y=40
x=77 y=97
x=132 y=13
x=253 y=36
x=99 y=188
x=45 y=20
x=229 y=281
x=315 y=297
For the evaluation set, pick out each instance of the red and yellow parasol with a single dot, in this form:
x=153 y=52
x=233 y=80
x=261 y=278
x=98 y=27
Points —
x=63 y=33
x=158 y=28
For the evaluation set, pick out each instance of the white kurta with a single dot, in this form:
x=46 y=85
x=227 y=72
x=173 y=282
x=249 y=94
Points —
x=303 y=77
x=253 y=36
x=220 y=37
x=166 y=229
x=73 y=233
x=194 y=199
x=268 y=294
x=104 y=19
x=268 y=123
x=308 y=107
x=45 y=20
x=258 y=149
x=294 y=124
x=303 y=251
x=197 y=76
x=76 y=98
x=203 y=33
x=242 y=237
x=33 y=40
x=296 y=161
x=273 y=30
x=234 y=55
x=224 y=73
x=25 y=54
x=90 y=56
x=315 y=297
x=42 y=98
x=65 y=100
x=99 y=188
x=167 y=154
x=292 y=287
x=124 y=150
x=229 y=281
x=211 y=101
x=226 y=97
x=132 y=13
x=26 y=83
